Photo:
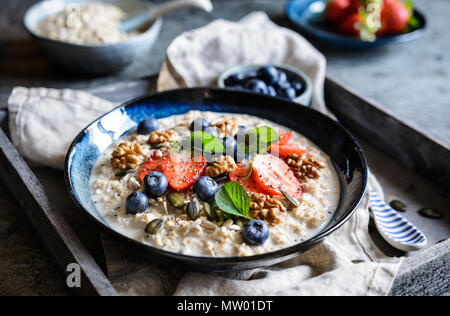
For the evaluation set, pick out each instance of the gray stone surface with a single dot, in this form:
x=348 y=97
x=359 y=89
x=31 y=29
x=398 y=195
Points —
x=412 y=80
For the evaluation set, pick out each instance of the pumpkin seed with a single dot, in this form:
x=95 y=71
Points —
x=193 y=210
x=123 y=173
x=430 y=213
x=228 y=222
x=221 y=177
x=397 y=205
x=357 y=261
x=210 y=212
x=154 y=226
x=220 y=216
x=290 y=199
x=442 y=240
x=176 y=200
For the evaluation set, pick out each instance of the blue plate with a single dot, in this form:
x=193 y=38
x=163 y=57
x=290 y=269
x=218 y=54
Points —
x=328 y=134
x=307 y=15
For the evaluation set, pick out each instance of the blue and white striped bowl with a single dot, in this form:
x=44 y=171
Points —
x=394 y=228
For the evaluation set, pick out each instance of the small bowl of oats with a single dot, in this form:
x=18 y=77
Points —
x=83 y=36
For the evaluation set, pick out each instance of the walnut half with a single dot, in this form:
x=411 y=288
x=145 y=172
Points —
x=227 y=128
x=157 y=137
x=126 y=156
x=304 y=166
x=220 y=165
x=266 y=208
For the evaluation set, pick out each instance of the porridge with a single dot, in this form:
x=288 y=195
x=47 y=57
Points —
x=198 y=184
x=90 y=23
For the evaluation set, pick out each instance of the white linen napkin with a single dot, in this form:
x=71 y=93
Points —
x=43 y=122
x=347 y=263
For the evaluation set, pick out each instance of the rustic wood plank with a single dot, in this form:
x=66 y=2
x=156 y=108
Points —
x=57 y=236
x=410 y=146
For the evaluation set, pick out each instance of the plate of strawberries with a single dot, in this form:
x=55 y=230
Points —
x=357 y=23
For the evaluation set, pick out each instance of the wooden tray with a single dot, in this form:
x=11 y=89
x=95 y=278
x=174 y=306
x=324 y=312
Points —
x=71 y=238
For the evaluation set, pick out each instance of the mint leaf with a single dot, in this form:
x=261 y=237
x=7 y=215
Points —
x=232 y=199
x=258 y=140
x=206 y=142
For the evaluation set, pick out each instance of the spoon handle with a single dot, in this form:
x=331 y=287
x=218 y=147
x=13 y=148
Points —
x=159 y=10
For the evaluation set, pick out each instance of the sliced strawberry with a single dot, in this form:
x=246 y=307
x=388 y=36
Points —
x=182 y=171
x=285 y=137
x=149 y=166
x=284 y=150
x=239 y=175
x=273 y=175
x=153 y=163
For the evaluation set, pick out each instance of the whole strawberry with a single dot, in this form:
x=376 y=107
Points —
x=394 y=17
x=337 y=10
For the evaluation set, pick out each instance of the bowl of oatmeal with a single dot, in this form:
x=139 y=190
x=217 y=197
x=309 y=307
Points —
x=82 y=35
x=203 y=179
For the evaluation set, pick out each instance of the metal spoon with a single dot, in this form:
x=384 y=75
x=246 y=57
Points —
x=159 y=10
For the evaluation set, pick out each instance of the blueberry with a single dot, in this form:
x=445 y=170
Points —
x=268 y=74
x=235 y=79
x=155 y=184
x=242 y=131
x=230 y=145
x=136 y=202
x=212 y=131
x=297 y=85
x=205 y=188
x=255 y=232
x=251 y=75
x=282 y=85
x=147 y=126
x=288 y=93
x=256 y=85
x=271 y=91
x=282 y=77
x=199 y=124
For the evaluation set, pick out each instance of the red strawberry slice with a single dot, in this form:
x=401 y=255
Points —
x=283 y=150
x=285 y=137
x=149 y=166
x=182 y=171
x=272 y=174
x=152 y=164
x=240 y=173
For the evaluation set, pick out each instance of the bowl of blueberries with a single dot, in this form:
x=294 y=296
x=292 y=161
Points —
x=275 y=81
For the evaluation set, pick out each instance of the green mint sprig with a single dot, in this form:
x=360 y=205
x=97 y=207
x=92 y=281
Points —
x=232 y=199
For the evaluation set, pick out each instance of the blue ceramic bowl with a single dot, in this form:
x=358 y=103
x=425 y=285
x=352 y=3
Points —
x=95 y=59
x=329 y=135
x=307 y=15
x=304 y=98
